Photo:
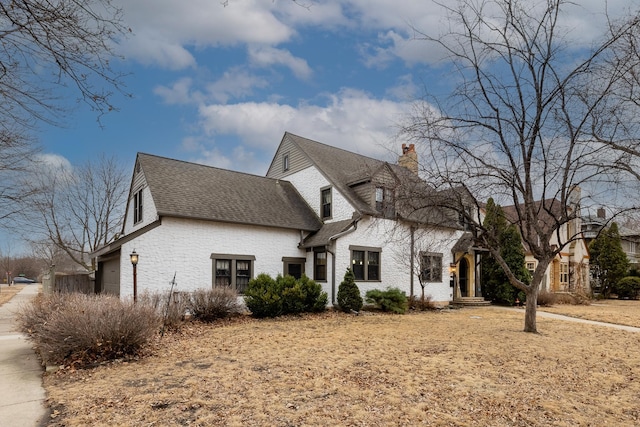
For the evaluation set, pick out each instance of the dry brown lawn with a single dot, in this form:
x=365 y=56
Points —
x=622 y=312
x=7 y=292
x=468 y=367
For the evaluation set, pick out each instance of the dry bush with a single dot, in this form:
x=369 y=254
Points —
x=80 y=329
x=212 y=304
x=171 y=306
x=422 y=304
x=546 y=299
x=564 y=299
x=581 y=298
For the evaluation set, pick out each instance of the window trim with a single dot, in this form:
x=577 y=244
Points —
x=286 y=261
x=563 y=273
x=366 y=250
x=431 y=279
x=285 y=162
x=330 y=204
x=315 y=265
x=233 y=267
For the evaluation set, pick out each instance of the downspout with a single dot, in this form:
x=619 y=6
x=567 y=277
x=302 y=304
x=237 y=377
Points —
x=412 y=255
x=351 y=229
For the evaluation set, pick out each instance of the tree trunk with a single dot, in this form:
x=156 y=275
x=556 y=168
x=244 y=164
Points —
x=530 y=310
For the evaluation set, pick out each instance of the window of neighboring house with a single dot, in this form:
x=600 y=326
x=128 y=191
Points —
x=632 y=247
x=365 y=263
x=325 y=202
x=531 y=267
x=232 y=271
x=431 y=267
x=320 y=266
x=564 y=273
x=137 y=207
x=285 y=162
x=465 y=218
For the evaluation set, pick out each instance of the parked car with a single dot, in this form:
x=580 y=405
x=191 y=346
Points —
x=21 y=280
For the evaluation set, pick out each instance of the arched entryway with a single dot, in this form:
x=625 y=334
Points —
x=463 y=277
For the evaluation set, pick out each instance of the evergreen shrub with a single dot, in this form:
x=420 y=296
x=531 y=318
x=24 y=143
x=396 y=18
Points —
x=266 y=297
x=349 y=297
x=391 y=299
x=628 y=287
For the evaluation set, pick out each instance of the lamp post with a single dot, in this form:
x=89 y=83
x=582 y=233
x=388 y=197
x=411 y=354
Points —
x=134 y=262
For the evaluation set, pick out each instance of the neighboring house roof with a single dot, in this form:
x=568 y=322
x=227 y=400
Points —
x=603 y=222
x=548 y=212
x=344 y=169
x=189 y=190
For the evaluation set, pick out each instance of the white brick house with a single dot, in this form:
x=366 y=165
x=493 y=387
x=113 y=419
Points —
x=318 y=211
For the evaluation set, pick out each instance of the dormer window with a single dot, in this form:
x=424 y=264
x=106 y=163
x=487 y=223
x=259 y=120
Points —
x=384 y=201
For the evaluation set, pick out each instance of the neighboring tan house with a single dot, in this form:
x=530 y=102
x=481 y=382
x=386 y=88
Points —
x=629 y=238
x=569 y=270
x=319 y=211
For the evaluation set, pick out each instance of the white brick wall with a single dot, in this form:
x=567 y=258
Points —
x=395 y=257
x=184 y=247
x=308 y=182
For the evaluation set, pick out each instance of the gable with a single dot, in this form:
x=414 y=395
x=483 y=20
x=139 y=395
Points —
x=189 y=190
x=296 y=160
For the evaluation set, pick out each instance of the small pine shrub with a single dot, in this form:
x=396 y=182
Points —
x=208 y=305
x=392 y=299
x=349 y=297
x=263 y=297
x=80 y=329
x=628 y=287
x=267 y=297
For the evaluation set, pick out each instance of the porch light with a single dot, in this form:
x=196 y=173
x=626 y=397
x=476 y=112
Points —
x=452 y=268
x=134 y=257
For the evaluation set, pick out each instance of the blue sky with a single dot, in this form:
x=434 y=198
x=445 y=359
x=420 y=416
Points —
x=220 y=84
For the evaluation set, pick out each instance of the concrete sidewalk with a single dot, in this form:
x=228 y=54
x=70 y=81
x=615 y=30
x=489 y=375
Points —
x=21 y=392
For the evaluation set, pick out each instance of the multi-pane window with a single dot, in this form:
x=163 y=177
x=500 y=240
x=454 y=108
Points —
x=325 y=202
x=564 y=273
x=632 y=247
x=320 y=266
x=223 y=272
x=243 y=275
x=531 y=267
x=232 y=271
x=137 y=207
x=431 y=267
x=384 y=201
x=365 y=263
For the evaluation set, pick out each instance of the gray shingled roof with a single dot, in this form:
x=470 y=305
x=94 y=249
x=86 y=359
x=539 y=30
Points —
x=328 y=230
x=343 y=168
x=190 y=190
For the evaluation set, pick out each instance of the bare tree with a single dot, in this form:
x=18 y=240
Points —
x=533 y=121
x=79 y=210
x=47 y=47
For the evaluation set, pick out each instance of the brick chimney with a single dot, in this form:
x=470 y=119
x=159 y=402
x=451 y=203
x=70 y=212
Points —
x=409 y=158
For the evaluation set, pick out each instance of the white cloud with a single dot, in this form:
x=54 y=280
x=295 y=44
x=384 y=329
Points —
x=235 y=82
x=179 y=93
x=53 y=162
x=350 y=119
x=266 y=56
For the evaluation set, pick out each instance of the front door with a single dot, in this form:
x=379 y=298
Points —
x=463 y=267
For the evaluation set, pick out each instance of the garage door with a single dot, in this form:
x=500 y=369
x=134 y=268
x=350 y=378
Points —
x=111 y=276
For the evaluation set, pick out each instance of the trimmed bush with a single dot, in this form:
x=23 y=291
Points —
x=263 y=297
x=80 y=329
x=392 y=299
x=266 y=297
x=349 y=297
x=628 y=287
x=208 y=305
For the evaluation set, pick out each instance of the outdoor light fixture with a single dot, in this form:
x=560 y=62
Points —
x=452 y=268
x=134 y=262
